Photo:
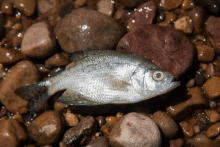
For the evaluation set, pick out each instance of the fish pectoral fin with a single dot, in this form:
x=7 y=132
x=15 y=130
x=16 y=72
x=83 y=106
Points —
x=74 y=98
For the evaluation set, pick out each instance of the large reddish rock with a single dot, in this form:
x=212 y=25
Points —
x=166 y=47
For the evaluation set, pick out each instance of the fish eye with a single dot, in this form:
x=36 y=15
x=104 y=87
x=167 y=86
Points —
x=158 y=75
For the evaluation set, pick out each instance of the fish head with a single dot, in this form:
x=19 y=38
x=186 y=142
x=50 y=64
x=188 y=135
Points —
x=158 y=82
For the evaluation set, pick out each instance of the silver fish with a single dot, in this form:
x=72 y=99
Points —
x=101 y=77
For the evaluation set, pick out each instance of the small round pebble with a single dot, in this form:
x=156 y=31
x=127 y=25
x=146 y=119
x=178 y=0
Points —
x=111 y=121
x=170 y=4
x=26 y=6
x=57 y=60
x=213 y=116
x=170 y=17
x=213 y=131
x=187 y=129
x=187 y=4
x=106 y=7
x=184 y=24
x=198 y=17
x=7 y=8
x=205 y=53
x=212 y=88
x=200 y=140
x=71 y=119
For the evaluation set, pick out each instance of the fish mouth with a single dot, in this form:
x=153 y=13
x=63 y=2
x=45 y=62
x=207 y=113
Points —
x=174 y=84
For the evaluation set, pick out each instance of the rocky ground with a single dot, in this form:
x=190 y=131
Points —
x=180 y=36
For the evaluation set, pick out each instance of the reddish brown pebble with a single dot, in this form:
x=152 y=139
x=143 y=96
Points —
x=213 y=131
x=131 y=3
x=212 y=71
x=111 y=121
x=119 y=115
x=191 y=83
x=101 y=120
x=213 y=116
x=57 y=60
x=187 y=4
x=80 y=3
x=18 y=26
x=212 y=88
x=200 y=140
x=170 y=17
x=106 y=7
x=3 y=111
x=45 y=5
x=198 y=16
x=205 y=53
x=170 y=4
x=176 y=143
x=184 y=24
x=18 y=117
x=187 y=129
x=26 y=6
x=58 y=106
x=217 y=141
x=10 y=56
x=71 y=119
x=7 y=8
x=106 y=130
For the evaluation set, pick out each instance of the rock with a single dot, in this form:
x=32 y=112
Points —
x=200 y=79
x=166 y=123
x=106 y=7
x=12 y=133
x=111 y=121
x=141 y=16
x=131 y=3
x=58 y=106
x=170 y=4
x=176 y=143
x=38 y=41
x=205 y=53
x=101 y=120
x=198 y=17
x=84 y=128
x=92 y=4
x=7 y=8
x=45 y=5
x=187 y=4
x=200 y=140
x=106 y=130
x=217 y=141
x=211 y=6
x=187 y=129
x=71 y=119
x=203 y=120
x=119 y=115
x=212 y=71
x=24 y=72
x=79 y=3
x=90 y=27
x=213 y=131
x=213 y=116
x=170 y=17
x=135 y=129
x=46 y=128
x=26 y=6
x=18 y=117
x=3 y=111
x=57 y=60
x=99 y=142
x=10 y=56
x=211 y=88
x=213 y=34
x=184 y=24
x=166 y=47
x=190 y=83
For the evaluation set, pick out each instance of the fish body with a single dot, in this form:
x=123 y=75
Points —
x=102 y=77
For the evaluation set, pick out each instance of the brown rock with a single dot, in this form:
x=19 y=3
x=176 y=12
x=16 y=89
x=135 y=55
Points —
x=198 y=17
x=111 y=121
x=7 y=8
x=10 y=56
x=24 y=72
x=187 y=4
x=85 y=128
x=200 y=140
x=203 y=120
x=58 y=106
x=46 y=128
x=99 y=142
x=213 y=116
x=45 y=5
x=217 y=61
x=12 y=133
x=166 y=47
x=105 y=7
x=90 y=27
x=212 y=88
x=188 y=130
x=170 y=4
x=176 y=143
x=119 y=115
x=106 y=130
x=18 y=117
x=205 y=53
x=141 y=16
x=212 y=71
x=2 y=70
x=101 y=120
x=164 y=24
x=57 y=60
x=79 y=3
x=170 y=17
x=71 y=119
x=190 y=83
x=200 y=79
x=3 y=111
x=217 y=141
x=135 y=129
x=38 y=41
x=213 y=131
x=131 y=3
x=196 y=129
x=26 y=6
x=213 y=34
x=184 y=24
x=166 y=123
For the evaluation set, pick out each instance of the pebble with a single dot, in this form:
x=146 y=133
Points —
x=101 y=120
x=213 y=131
x=12 y=133
x=46 y=128
x=71 y=119
x=106 y=130
x=170 y=4
x=170 y=17
x=135 y=129
x=187 y=4
x=142 y=16
x=198 y=17
x=211 y=6
x=212 y=71
x=131 y=3
x=16 y=77
x=217 y=141
x=119 y=115
x=84 y=128
x=213 y=116
x=200 y=140
x=200 y=79
x=203 y=120
x=187 y=129
x=106 y=7
x=176 y=143
x=38 y=41
x=164 y=24
x=211 y=87
x=111 y=121
x=166 y=123
x=196 y=129
x=18 y=117
x=57 y=60
x=205 y=53
x=3 y=111
x=99 y=142
x=190 y=83
x=7 y=8
x=10 y=56
x=45 y=5
x=217 y=61
x=79 y=3
x=213 y=34
x=184 y=24
x=196 y=97
x=26 y=6
x=166 y=47
x=91 y=34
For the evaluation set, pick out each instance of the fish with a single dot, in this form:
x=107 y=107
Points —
x=101 y=77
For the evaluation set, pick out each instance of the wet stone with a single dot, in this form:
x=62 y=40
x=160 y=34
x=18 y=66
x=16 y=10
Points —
x=203 y=120
x=26 y=6
x=213 y=116
x=170 y=4
x=111 y=121
x=166 y=123
x=135 y=129
x=84 y=128
x=79 y=3
x=200 y=140
x=198 y=17
x=91 y=34
x=46 y=128
x=184 y=24
x=187 y=4
x=213 y=131
x=45 y=5
x=176 y=143
x=106 y=130
x=211 y=6
x=119 y=115
x=205 y=53
x=38 y=41
x=170 y=17
x=141 y=16
x=7 y=8
x=131 y=3
x=217 y=141
x=71 y=119
x=57 y=60
x=212 y=71
x=106 y=7
x=187 y=129
x=200 y=79
x=99 y=142
x=3 y=111
x=10 y=56
x=101 y=120
x=212 y=88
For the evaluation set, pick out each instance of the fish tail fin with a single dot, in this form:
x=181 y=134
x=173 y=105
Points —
x=36 y=94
